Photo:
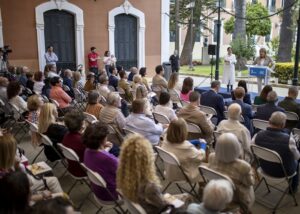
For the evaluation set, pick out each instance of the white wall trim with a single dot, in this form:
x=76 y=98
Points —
x=128 y=9
x=1 y=31
x=165 y=30
x=40 y=26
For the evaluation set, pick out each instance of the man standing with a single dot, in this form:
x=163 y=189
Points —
x=50 y=56
x=174 y=60
x=93 y=63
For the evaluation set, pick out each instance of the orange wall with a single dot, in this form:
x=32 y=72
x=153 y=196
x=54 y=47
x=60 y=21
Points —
x=19 y=29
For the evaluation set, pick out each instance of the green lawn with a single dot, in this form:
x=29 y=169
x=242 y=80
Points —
x=203 y=70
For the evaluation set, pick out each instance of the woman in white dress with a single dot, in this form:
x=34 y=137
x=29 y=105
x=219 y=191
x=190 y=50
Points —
x=229 y=69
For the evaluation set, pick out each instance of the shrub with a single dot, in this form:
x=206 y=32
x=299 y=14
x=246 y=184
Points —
x=284 y=72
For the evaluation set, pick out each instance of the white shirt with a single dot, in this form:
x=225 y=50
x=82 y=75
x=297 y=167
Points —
x=38 y=86
x=51 y=59
x=20 y=103
x=167 y=111
x=51 y=74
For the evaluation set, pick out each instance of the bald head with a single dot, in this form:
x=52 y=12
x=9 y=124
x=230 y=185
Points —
x=293 y=92
x=234 y=111
x=272 y=97
x=277 y=120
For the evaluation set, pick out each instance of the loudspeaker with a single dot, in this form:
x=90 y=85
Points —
x=212 y=49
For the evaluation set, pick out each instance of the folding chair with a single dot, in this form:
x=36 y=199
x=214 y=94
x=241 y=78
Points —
x=80 y=98
x=19 y=121
x=90 y=118
x=208 y=110
x=128 y=132
x=9 y=115
x=292 y=116
x=97 y=179
x=115 y=132
x=265 y=154
x=45 y=99
x=175 y=97
x=184 y=103
x=132 y=207
x=260 y=124
x=156 y=89
x=160 y=118
x=170 y=159
x=57 y=106
x=34 y=131
x=193 y=128
x=241 y=118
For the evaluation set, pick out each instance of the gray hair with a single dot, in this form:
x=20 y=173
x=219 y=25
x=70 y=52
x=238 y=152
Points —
x=134 y=70
x=234 y=111
x=228 y=148
x=103 y=78
x=113 y=98
x=137 y=78
x=93 y=97
x=217 y=194
x=272 y=96
x=215 y=83
x=278 y=119
x=293 y=91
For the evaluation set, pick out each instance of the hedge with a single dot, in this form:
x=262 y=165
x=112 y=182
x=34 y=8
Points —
x=284 y=72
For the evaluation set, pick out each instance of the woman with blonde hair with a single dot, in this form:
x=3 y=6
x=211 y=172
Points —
x=173 y=83
x=226 y=160
x=136 y=175
x=47 y=125
x=77 y=82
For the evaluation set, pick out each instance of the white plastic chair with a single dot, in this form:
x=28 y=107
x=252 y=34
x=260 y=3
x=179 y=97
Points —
x=98 y=180
x=260 y=124
x=90 y=118
x=261 y=153
x=292 y=116
x=160 y=118
x=170 y=159
x=208 y=110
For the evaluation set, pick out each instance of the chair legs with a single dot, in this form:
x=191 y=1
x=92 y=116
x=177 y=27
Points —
x=165 y=189
x=38 y=155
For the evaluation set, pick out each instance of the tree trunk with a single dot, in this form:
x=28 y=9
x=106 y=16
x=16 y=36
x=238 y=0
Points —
x=286 y=35
x=240 y=24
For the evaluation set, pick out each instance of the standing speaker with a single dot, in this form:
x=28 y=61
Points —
x=212 y=49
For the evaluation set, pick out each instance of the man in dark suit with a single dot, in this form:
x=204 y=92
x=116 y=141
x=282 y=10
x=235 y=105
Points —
x=239 y=94
x=289 y=104
x=265 y=111
x=212 y=99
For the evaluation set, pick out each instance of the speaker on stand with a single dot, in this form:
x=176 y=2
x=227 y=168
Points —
x=212 y=53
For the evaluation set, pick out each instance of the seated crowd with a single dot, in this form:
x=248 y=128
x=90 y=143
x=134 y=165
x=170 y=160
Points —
x=123 y=122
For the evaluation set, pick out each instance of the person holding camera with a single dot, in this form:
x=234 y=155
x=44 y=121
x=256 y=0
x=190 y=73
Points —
x=50 y=56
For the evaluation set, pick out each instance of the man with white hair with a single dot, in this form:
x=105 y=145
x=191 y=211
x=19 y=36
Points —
x=276 y=139
x=133 y=71
x=233 y=125
x=265 y=111
x=216 y=195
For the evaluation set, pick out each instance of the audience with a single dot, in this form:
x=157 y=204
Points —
x=113 y=79
x=52 y=71
x=124 y=85
x=77 y=81
x=55 y=131
x=133 y=71
x=139 y=123
x=226 y=160
x=98 y=159
x=173 y=84
x=239 y=94
x=38 y=82
x=34 y=104
x=93 y=106
x=262 y=98
x=13 y=96
x=290 y=104
x=276 y=139
x=187 y=89
x=3 y=87
x=217 y=195
x=192 y=114
x=90 y=82
x=30 y=82
x=138 y=88
x=164 y=106
x=158 y=80
x=67 y=81
x=212 y=99
x=102 y=87
x=74 y=122
x=265 y=111
x=232 y=125
x=187 y=154
x=247 y=97
x=23 y=78
x=58 y=94
x=143 y=73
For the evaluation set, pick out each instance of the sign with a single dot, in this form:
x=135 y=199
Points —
x=258 y=71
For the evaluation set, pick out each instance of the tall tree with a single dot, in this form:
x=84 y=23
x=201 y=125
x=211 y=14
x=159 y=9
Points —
x=240 y=24
x=286 y=34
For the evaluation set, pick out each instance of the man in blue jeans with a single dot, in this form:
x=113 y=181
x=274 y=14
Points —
x=276 y=139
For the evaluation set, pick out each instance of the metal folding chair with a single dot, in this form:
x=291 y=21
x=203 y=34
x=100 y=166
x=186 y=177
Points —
x=261 y=153
x=260 y=124
x=20 y=124
x=208 y=110
x=90 y=118
x=34 y=131
x=193 y=128
x=160 y=118
x=292 y=116
x=132 y=207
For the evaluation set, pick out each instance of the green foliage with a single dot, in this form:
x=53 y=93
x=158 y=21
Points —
x=254 y=26
x=273 y=46
x=242 y=48
x=284 y=72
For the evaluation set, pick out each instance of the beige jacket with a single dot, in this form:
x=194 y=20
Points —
x=189 y=158
x=160 y=81
x=192 y=114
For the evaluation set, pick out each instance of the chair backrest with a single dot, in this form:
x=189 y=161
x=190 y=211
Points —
x=174 y=96
x=33 y=127
x=132 y=207
x=79 y=96
x=90 y=118
x=167 y=157
x=241 y=119
x=209 y=174
x=193 y=128
x=128 y=132
x=54 y=102
x=260 y=124
x=45 y=99
x=296 y=131
x=208 y=110
x=66 y=88
x=68 y=153
x=16 y=111
x=46 y=140
x=291 y=116
x=161 y=118
x=265 y=154
x=94 y=177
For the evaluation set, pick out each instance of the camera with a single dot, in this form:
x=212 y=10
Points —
x=5 y=51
